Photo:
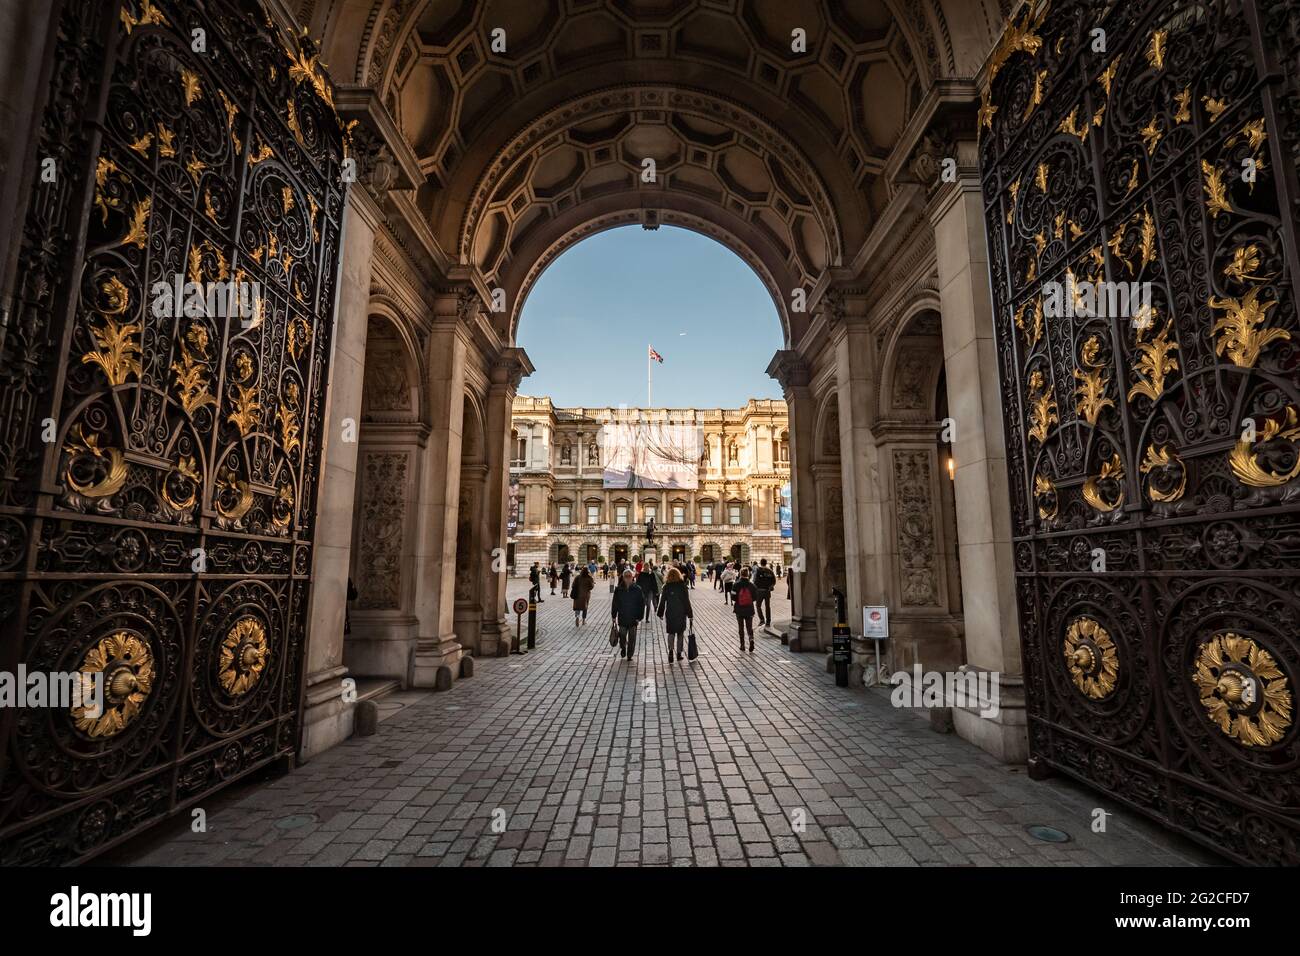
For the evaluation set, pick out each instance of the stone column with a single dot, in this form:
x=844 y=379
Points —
x=436 y=661
x=327 y=719
x=790 y=369
x=982 y=498
x=506 y=373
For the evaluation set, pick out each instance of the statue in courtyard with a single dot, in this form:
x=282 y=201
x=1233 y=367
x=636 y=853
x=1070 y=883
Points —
x=650 y=530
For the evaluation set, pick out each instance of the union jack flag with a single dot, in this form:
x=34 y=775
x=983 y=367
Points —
x=656 y=356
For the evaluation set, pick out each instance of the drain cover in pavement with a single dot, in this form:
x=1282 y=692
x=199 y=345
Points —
x=1048 y=834
x=295 y=821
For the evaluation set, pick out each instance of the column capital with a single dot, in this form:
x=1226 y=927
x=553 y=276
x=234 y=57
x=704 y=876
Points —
x=510 y=368
x=790 y=369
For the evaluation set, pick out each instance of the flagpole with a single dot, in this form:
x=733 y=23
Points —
x=649 y=377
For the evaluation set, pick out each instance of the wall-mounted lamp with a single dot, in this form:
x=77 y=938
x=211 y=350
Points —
x=952 y=469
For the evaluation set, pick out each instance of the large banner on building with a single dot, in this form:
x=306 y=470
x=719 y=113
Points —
x=512 y=510
x=787 y=513
x=651 y=455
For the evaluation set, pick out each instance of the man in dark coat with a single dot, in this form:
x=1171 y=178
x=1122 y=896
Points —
x=535 y=579
x=566 y=575
x=627 y=607
x=746 y=596
x=649 y=586
x=765 y=581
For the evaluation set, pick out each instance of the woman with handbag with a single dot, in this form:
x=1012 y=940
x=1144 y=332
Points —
x=675 y=609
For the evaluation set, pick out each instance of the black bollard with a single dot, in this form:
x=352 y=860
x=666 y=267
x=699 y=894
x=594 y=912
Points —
x=841 y=640
x=532 y=625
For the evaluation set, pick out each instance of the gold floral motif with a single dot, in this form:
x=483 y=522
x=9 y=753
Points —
x=1076 y=231
x=263 y=152
x=103 y=169
x=1116 y=241
x=124 y=663
x=191 y=383
x=243 y=367
x=1213 y=107
x=1070 y=125
x=1162 y=460
x=282 y=509
x=1091 y=395
x=1042 y=411
x=1112 y=470
x=1154 y=363
x=306 y=69
x=82 y=445
x=1254 y=133
x=142 y=144
x=1040 y=242
x=1091 y=658
x=166 y=141
x=1151 y=134
x=245 y=416
x=1243 y=690
x=242 y=657
x=1156 y=49
x=986 y=111
x=1246 y=466
x=1242 y=337
x=195 y=168
x=1245 y=260
x=116 y=296
x=1133 y=179
x=188 y=471
x=288 y=418
x=207 y=205
x=286 y=198
x=1043 y=488
x=1183 y=101
x=231 y=112
x=1033 y=332
x=1036 y=96
x=1108 y=77
x=1091 y=348
x=1216 y=194
x=1058 y=225
x=315 y=233
x=118 y=353
x=291 y=119
x=243 y=500
x=137 y=234
x=190 y=86
x=1014 y=189
x=1040 y=177
x=1148 y=239
x=149 y=15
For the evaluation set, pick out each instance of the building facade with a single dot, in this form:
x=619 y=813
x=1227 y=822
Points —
x=560 y=508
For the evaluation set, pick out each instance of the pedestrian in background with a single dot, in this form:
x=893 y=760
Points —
x=765 y=582
x=555 y=579
x=746 y=599
x=581 y=593
x=566 y=576
x=728 y=580
x=675 y=609
x=626 y=610
x=649 y=586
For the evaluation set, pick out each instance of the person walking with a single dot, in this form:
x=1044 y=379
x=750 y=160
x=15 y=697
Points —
x=566 y=576
x=690 y=574
x=675 y=609
x=746 y=596
x=649 y=586
x=765 y=582
x=789 y=582
x=554 y=578
x=535 y=579
x=581 y=593
x=717 y=575
x=728 y=581
x=626 y=610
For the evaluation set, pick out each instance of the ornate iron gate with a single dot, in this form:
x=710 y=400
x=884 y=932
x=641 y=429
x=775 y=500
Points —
x=1153 y=448
x=159 y=459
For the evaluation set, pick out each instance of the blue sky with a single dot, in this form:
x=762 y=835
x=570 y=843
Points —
x=590 y=316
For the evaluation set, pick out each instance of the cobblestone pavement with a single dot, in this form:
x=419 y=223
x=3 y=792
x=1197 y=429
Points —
x=586 y=759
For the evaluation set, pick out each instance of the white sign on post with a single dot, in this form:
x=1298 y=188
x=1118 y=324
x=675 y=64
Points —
x=875 y=622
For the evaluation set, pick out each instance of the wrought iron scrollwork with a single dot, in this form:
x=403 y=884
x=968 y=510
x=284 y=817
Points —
x=167 y=516
x=1163 y=435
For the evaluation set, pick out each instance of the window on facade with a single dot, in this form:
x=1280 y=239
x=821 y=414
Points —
x=520 y=457
x=783 y=449
x=733 y=514
x=593 y=514
x=521 y=511
x=620 y=514
x=564 y=514
x=706 y=514
x=679 y=514
x=651 y=512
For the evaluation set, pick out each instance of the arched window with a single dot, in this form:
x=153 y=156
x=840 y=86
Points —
x=783 y=449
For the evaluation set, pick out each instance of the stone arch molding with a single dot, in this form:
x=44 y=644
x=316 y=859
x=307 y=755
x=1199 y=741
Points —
x=912 y=364
x=723 y=170
x=395 y=389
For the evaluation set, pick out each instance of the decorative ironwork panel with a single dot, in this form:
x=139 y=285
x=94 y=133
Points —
x=160 y=454
x=1141 y=208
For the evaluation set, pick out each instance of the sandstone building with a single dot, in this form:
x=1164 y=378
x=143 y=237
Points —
x=565 y=510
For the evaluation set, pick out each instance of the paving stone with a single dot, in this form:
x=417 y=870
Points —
x=590 y=773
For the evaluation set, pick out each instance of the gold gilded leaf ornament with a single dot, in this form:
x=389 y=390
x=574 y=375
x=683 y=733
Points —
x=1042 y=408
x=1162 y=461
x=1243 y=690
x=1091 y=658
x=1111 y=471
x=242 y=656
x=82 y=446
x=122 y=664
x=1239 y=331
x=1154 y=363
x=1216 y=193
x=1245 y=463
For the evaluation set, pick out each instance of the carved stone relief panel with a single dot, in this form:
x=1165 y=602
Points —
x=383 y=521
x=914 y=516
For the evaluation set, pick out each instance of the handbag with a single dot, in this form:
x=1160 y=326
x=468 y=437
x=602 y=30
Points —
x=613 y=635
x=692 y=651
